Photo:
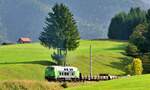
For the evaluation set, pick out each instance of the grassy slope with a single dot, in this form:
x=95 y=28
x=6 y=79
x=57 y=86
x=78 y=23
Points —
x=27 y=61
x=106 y=56
x=132 y=83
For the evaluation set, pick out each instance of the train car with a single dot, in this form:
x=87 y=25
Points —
x=59 y=73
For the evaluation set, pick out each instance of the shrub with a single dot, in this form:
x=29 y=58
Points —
x=131 y=50
x=64 y=85
x=137 y=66
x=129 y=69
x=146 y=62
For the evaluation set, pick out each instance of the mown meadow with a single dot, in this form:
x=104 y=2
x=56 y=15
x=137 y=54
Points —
x=126 y=83
x=28 y=61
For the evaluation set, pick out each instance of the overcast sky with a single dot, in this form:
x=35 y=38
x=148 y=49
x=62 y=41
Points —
x=146 y=1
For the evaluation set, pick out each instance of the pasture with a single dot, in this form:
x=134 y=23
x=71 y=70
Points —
x=28 y=61
x=131 y=83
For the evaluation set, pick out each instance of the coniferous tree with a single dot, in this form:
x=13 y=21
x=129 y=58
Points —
x=60 y=32
x=123 y=24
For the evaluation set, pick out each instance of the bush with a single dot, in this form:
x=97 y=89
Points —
x=132 y=50
x=129 y=69
x=64 y=85
x=146 y=62
x=137 y=66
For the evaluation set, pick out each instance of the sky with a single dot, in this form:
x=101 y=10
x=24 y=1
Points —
x=146 y=1
x=43 y=7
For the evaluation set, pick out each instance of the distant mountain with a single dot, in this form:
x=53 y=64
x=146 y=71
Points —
x=19 y=18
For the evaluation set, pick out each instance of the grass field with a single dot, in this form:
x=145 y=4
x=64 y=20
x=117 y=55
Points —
x=29 y=85
x=28 y=61
x=132 y=83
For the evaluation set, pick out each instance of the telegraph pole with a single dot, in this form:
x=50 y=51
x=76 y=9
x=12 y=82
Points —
x=90 y=61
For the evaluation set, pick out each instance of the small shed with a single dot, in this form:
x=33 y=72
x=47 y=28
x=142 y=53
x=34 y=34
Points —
x=24 y=40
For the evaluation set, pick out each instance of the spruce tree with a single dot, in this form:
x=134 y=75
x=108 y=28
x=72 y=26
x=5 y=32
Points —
x=123 y=24
x=60 y=32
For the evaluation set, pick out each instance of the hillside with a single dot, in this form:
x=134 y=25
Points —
x=28 y=61
x=132 y=83
x=20 y=18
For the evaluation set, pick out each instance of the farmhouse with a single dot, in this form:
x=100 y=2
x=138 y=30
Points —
x=24 y=40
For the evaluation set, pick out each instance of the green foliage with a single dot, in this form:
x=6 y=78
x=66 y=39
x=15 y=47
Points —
x=137 y=66
x=146 y=62
x=148 y=16
x=131 y=50
x=129 y=69
x=61 y=31
x=141 y=39
x=147 y=36
x=123 y=24
x=141 y=35
x=138 y=37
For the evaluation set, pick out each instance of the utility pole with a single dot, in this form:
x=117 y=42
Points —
x=90 y=62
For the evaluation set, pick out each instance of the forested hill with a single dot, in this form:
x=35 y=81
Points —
x=20 y=18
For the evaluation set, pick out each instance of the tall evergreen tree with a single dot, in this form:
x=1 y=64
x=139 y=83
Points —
x=60 y=32
x=123 y=27
x=117 y=26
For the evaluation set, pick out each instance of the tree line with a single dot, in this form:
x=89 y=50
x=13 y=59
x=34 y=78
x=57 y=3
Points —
x=133 y=26
x=139 y=42
x=122 y=25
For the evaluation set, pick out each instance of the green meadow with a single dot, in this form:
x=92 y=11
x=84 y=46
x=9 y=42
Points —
x=126 y=83
x=28 y=61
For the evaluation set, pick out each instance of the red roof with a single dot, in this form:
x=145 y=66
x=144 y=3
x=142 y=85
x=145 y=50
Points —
x=25 y=39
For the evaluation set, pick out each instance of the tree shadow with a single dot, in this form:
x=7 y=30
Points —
x=121 y=65
x=118 y=47
x=41 y=62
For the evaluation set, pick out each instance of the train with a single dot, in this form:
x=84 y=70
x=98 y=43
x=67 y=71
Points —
x=61 y=73
x=68 y=73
